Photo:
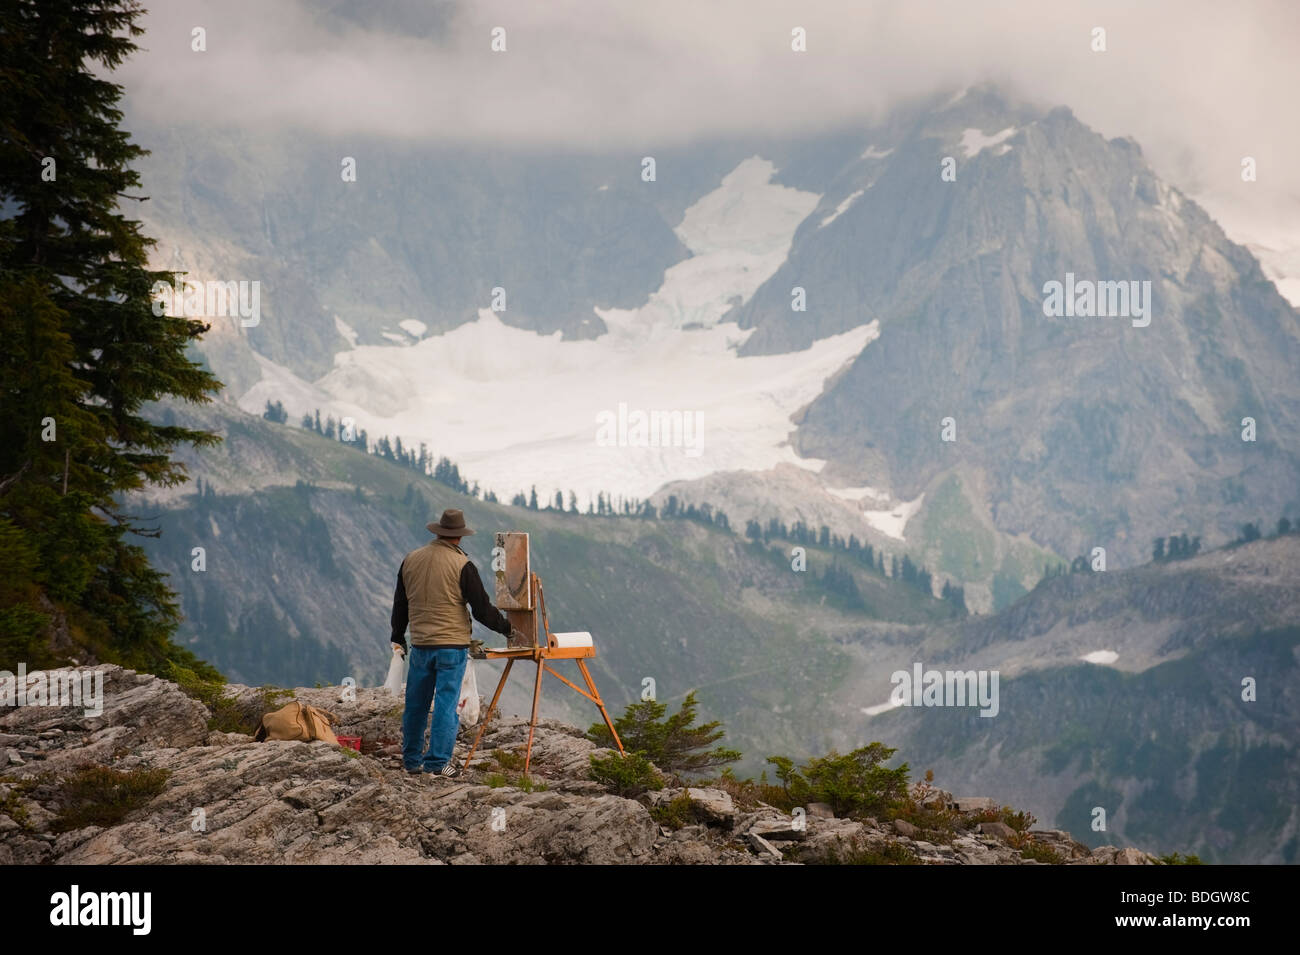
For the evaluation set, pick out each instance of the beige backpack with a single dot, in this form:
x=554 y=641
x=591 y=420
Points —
x=297 y=721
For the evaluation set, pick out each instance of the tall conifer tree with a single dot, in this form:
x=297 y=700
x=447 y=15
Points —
x=83 y=351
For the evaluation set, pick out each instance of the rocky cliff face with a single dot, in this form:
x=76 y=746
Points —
x=219 y=797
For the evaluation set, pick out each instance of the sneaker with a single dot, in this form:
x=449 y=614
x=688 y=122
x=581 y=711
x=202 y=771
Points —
x=417 y=771
x=450 y=771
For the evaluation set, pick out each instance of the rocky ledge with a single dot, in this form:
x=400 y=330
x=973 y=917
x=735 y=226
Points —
x=164 y=787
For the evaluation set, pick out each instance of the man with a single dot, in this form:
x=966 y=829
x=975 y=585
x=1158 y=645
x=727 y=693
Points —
x=434 y=584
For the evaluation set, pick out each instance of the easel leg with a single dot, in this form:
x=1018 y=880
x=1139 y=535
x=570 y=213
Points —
x=490 y=710
x=532 y=724
x=591 y=686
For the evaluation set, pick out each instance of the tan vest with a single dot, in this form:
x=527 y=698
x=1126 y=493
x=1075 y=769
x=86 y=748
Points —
x=438 y=613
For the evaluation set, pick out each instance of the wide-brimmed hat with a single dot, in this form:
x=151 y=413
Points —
x=451 y=524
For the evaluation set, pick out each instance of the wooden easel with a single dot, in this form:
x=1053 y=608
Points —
x=519 y=594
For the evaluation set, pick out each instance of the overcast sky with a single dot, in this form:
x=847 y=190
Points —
x=1198 y=83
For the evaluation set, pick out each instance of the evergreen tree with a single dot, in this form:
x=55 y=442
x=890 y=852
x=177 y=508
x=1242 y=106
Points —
x=275 y=412
x=84 y=350
x=1158 y=549
x=674 y=744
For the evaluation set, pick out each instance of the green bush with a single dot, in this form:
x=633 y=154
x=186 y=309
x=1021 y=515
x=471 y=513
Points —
x=628 y=776
x=207 y=692
x=853 y=784
x=1175 y=858
x=675 y=813
x=672 y=744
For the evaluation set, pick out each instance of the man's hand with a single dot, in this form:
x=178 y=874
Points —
x=399 y=649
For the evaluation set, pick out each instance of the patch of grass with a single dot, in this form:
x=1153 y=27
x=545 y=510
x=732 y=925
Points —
x=891 y=853
x=508 y=760
x=496 y=780
x=1020 y=821
x=747 y=794
x=228 y=714
x=207 y=692
x=235 y=716
x=102 y=796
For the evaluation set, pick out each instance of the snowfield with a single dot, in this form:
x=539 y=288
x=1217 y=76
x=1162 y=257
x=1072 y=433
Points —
x=514 y=408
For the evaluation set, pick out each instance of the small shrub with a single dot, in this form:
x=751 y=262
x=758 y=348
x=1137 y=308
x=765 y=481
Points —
x=675 y=813
x=1021 y=821
x=1175 y=858
x=11 y=803
x=496 y=780
x=627 y=776
x=853 y=784
x=673 y=744
x=102 y=796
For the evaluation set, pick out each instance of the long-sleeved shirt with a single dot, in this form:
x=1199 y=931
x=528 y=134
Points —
x=472 y=592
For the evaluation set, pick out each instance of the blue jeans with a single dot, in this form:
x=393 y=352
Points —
x=433 y=676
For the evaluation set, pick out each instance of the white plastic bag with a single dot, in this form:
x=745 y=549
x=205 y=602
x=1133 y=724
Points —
x=396 y=673
x=468 y=706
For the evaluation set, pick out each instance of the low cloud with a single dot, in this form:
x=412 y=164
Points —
x=1199 y=83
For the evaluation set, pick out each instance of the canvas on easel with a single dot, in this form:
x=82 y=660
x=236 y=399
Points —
x=519 y=595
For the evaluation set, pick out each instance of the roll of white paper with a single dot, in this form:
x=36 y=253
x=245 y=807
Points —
x=579 y=638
